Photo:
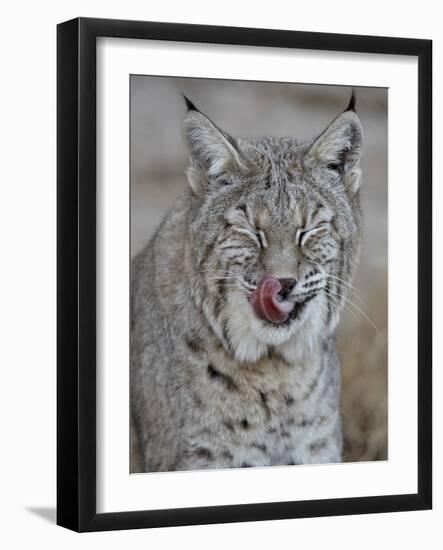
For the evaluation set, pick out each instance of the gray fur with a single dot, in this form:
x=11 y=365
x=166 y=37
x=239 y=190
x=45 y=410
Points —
x=213 y=386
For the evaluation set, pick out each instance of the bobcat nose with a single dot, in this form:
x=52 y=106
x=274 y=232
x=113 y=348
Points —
x=287 y=284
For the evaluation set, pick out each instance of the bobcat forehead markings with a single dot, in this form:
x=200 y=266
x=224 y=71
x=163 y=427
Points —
x=236 y=300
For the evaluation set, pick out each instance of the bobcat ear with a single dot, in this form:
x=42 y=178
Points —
x=338 y=148
x=213 y=153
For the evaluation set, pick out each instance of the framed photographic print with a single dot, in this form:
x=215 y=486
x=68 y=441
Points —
x=244 y=274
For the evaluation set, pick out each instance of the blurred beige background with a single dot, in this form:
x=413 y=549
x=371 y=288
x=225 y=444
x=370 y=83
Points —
x=254 y=109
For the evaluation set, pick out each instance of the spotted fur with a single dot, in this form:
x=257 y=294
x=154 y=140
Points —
x=212 y=385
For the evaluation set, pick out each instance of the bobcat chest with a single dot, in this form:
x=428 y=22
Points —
x=252 y=417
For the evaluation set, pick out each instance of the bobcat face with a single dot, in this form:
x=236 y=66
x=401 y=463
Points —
x=274 y=232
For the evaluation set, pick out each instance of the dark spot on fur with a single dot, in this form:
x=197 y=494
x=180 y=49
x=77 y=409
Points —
x=227 y=455
x=202 y=452
x=311 y=388
x=275 y=355
x=225 y=379
x=194 y=343
x=246 y=465
x=271 y=431
x=289 y=400
x=283 y=360
x=285 y=433
x=245 y=424
x=315 y=382
x=218 y=345
x=260 y=447
x=229 y=425
x=264 y=403
x=220 y=300
x=318 y=445
x=197 y=401
x=309 y=298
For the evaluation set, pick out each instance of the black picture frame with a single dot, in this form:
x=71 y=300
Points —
x=76 y=266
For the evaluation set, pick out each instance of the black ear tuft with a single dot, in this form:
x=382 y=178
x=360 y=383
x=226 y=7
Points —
x=352 y=102
x=189 y=105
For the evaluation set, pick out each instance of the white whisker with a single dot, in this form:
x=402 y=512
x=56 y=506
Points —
x=351 y=303
x=349 y=285
x=349 y=290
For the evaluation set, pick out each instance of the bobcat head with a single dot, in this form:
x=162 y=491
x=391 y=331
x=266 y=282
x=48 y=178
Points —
x=274 y=232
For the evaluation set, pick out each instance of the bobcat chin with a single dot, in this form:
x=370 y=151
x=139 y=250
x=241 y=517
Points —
x=236 y=299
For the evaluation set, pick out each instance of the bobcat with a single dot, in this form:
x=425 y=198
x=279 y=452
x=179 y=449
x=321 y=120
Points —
x=236 y=300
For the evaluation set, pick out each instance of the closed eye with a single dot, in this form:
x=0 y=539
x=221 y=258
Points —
x=303 y=235
x=262 y=239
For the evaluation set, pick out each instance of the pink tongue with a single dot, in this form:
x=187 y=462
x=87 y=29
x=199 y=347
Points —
x=265 y=303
